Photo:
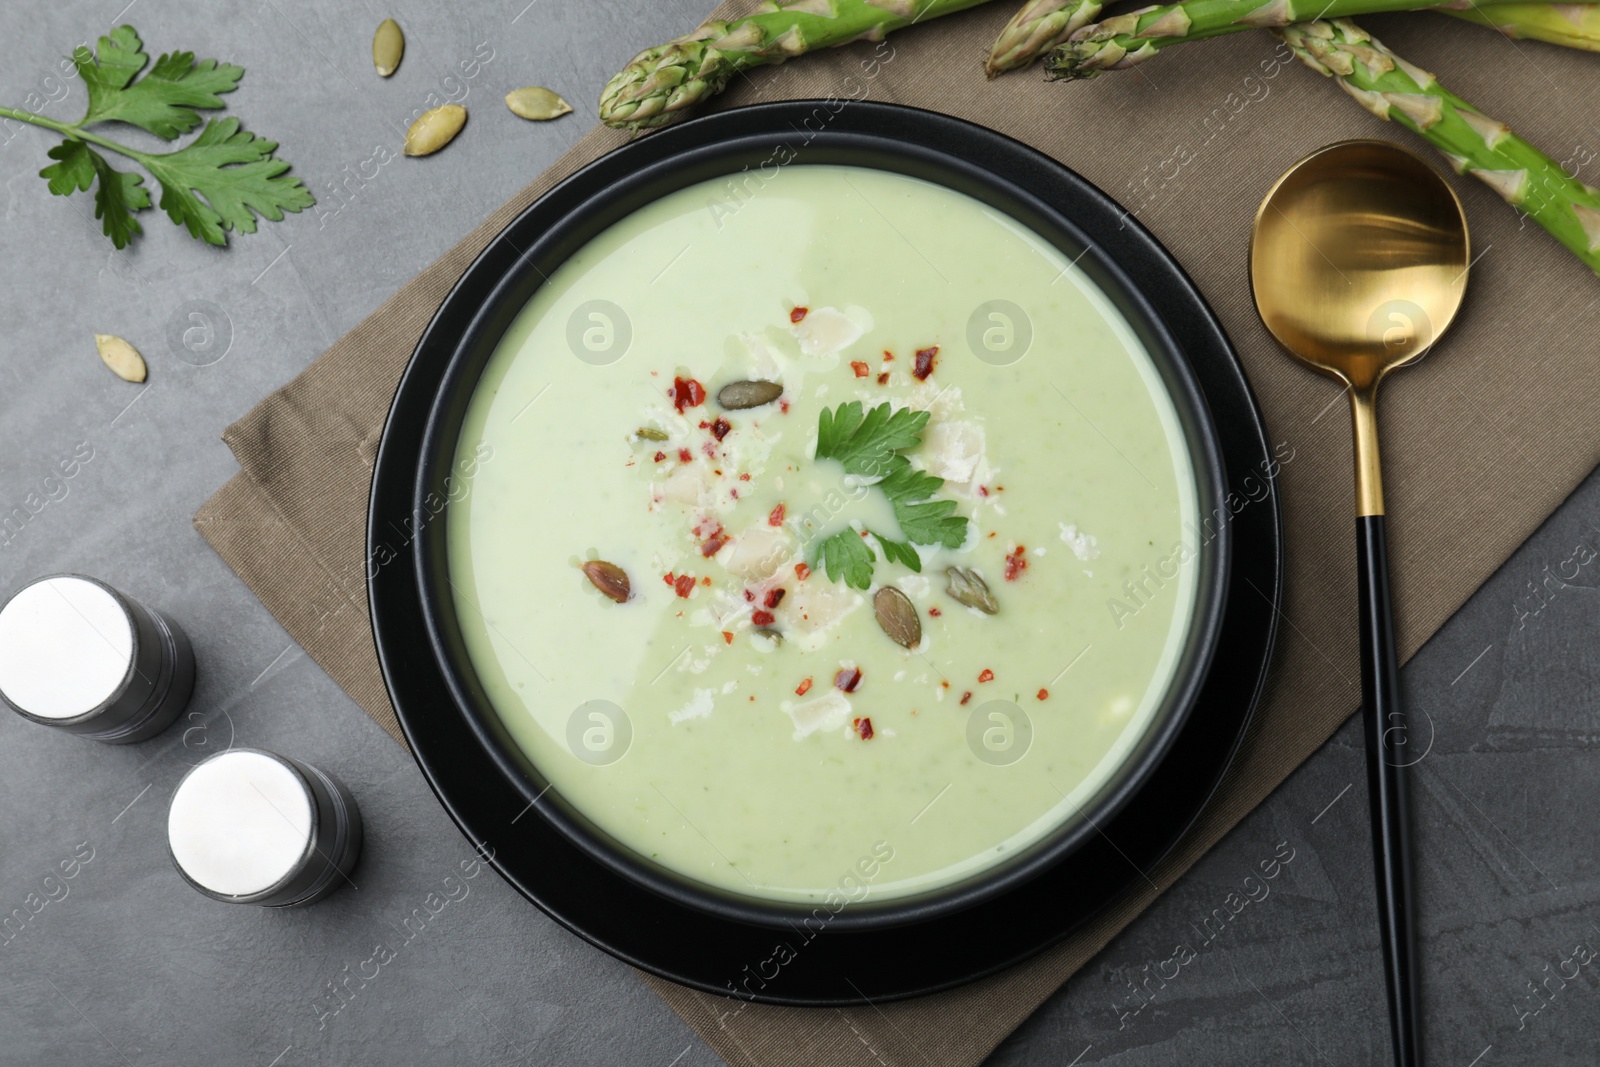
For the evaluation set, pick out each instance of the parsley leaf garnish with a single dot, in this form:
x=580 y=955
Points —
x=900 y=552
x=846 y=557
x=869 y=444
x=218 y=182
x=163 y=102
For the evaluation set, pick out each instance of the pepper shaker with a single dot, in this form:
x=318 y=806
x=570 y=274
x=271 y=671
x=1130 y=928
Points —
x=252 y=827
x=77 y=655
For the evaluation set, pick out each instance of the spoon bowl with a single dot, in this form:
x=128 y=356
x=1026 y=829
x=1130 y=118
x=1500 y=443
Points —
x=1359 y=260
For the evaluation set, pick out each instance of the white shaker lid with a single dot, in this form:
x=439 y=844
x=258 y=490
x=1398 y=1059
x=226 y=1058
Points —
x=66 y=645
x=240 y=823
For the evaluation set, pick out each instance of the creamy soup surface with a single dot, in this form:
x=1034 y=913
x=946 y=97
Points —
x=742 y=717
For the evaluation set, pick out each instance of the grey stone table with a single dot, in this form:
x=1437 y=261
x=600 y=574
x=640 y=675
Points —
x=122 y=964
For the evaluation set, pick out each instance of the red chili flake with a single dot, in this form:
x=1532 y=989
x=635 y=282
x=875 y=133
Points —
x=775 y=597
x=991 y=533
x=883 y=379
x=783 y=406
x=861 y=369
x=687 y=393
x=1016 y=563
x=863 y=727
x=684 y=585
x=847 y=679
x=935 y=612
x=720 y=428
x=704 y=424
x=706 y=580
x=801 y=571
x=798 y=314
x=761 y=618
x=986 y=675
x=727 y=637
x=1043 y=694
x=888 y=356
x=734 y=493
x=660 y=456
x=710 y=449
x=748 y=595
x=966 y=696
x=983 y=490
x=685 y=456
x=775 y=518
x=803 y=688
x=945 y=683
x=924 y=363
x=745 y=477
x=667 y=578
x=713 y=544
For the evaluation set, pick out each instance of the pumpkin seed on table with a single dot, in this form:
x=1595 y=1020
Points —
x=965 y=587
x=736 y=396
x=897 y=616
x=609 y=578
x=123 y=359
x=388 y=45
x=537 y=103
x=434 y=129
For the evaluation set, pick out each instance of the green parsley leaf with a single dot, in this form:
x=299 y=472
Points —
x=899 y=552
x=931 y=522
x=121 y=194
x=162 y=102
x=217 y=183
x=867 y=444
x=74 y=172
x=235 y=172
x=870 y=443
x=846 y=557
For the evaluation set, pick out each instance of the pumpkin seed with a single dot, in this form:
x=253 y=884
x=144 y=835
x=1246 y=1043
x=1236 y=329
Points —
x=537 y=103
x=388 y=45
x=967 y=588
x=609 y=578
x=434 y=129
x=736 y=396
x=897 y=616
x=650 y=433
x=123 y=359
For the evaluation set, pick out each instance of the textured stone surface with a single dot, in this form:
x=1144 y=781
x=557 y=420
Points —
x=129 y=966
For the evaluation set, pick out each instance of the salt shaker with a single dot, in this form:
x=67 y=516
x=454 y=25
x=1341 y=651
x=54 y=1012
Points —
x=252 y=827
x=77 y=655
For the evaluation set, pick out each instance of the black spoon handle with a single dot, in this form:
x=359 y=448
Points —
x=1384 y=724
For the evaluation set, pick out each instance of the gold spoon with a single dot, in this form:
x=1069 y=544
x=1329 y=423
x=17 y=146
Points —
x=1358 y=261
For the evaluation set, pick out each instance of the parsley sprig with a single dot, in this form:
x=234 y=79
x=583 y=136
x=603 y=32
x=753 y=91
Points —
x=869 y=444
x=218 y=182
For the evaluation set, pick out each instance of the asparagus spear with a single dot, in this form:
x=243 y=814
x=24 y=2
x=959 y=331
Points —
x=1475 y=144
x=1572 y=25
x=1040 y=26
x=1124 y=40
x=1043 y=25
x=662 y=81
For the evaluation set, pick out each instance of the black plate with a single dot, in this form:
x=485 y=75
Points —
x=664 y=928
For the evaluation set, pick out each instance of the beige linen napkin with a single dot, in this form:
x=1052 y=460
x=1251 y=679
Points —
x=1483 y=440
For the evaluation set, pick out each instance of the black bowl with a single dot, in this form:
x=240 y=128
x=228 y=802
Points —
x=482 y=776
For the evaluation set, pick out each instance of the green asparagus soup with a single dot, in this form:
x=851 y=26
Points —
x=827 y=533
